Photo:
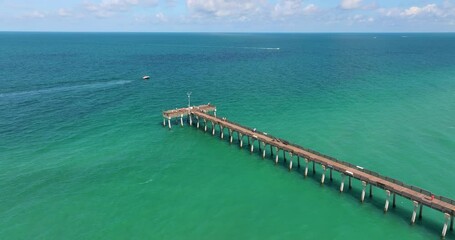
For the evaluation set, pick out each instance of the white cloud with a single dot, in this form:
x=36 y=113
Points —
x=225 y=8
x=430 y=9
x=350 y=4
x=64 y=13
x=107 y=8
x=361 y=19
x=161 y=17
x=287 y=8
x=34 y=14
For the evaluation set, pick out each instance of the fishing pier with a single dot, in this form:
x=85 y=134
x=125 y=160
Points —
x=204 y=116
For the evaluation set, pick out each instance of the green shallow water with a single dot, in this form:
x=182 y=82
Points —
x=83 y=154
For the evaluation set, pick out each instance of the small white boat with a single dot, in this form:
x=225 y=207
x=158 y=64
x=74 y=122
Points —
x=146 y=77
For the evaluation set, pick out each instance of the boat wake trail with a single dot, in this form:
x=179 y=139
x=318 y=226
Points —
x=262 y=48
x=64 y=89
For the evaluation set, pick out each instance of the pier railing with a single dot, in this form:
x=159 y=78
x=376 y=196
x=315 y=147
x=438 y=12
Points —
x=347 y=164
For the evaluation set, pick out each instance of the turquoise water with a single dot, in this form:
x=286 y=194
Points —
x=83 y=154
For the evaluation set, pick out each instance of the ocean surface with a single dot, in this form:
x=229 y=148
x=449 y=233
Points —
x=83 y=154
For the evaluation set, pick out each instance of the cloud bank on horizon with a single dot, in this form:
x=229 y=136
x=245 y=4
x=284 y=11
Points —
x=229 y=15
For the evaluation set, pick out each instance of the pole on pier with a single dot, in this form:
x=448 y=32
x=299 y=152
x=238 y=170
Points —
x=371 y=190
x=181 y=120
x=221 y=132
x=350 y=182
x=314 y=168
x=240 y=139
x=386 y=206
x=230 y=136
x=393 y=203
x=323 y=174
x=420 y=211
x=213 y=129
x=169 y=122
x=205 y=125
x=342 y=182
x=364 y=185
x=290 y=161
x=331 y=179
x=306 y=167
x=446 y=221
x=276 y=155
x=164 y=122
x=214 y=112
x=197 y=119
x=413 y=218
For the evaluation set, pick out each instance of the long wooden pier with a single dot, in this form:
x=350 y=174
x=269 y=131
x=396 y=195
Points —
x=419 y=197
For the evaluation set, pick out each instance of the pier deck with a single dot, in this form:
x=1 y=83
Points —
x=419 y=196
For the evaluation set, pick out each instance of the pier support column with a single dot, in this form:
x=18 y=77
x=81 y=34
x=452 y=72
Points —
x=342 y=182
x=364 y=186
x=290 y=161
x=298 y=161
x=314 y=168
x=190 y=118
x=414 y=212
x=240 y=139
x=213 y=129
x=214 y=112
x=451 y=223
x=446 y=221
x=371 y=190
x=420 y=211
x=197 y=123
x=251 y=145
x=271 y=152
x=164 y=122
x=306 y=167
x=350 y=182
x=181 y=120
x=276 y=155
x=263 y=150
x=221 y=132
x=230 y=136
x=323 y=174
x=393 y=201
x=331 y=179
x=169 y=123
x=386 y=206
x=284 y=156
x=205 y=125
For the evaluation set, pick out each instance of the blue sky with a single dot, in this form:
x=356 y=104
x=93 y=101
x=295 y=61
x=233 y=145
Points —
x=228 y=15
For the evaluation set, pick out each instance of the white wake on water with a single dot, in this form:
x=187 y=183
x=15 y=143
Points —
x=63 y=89
x=262 y=48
